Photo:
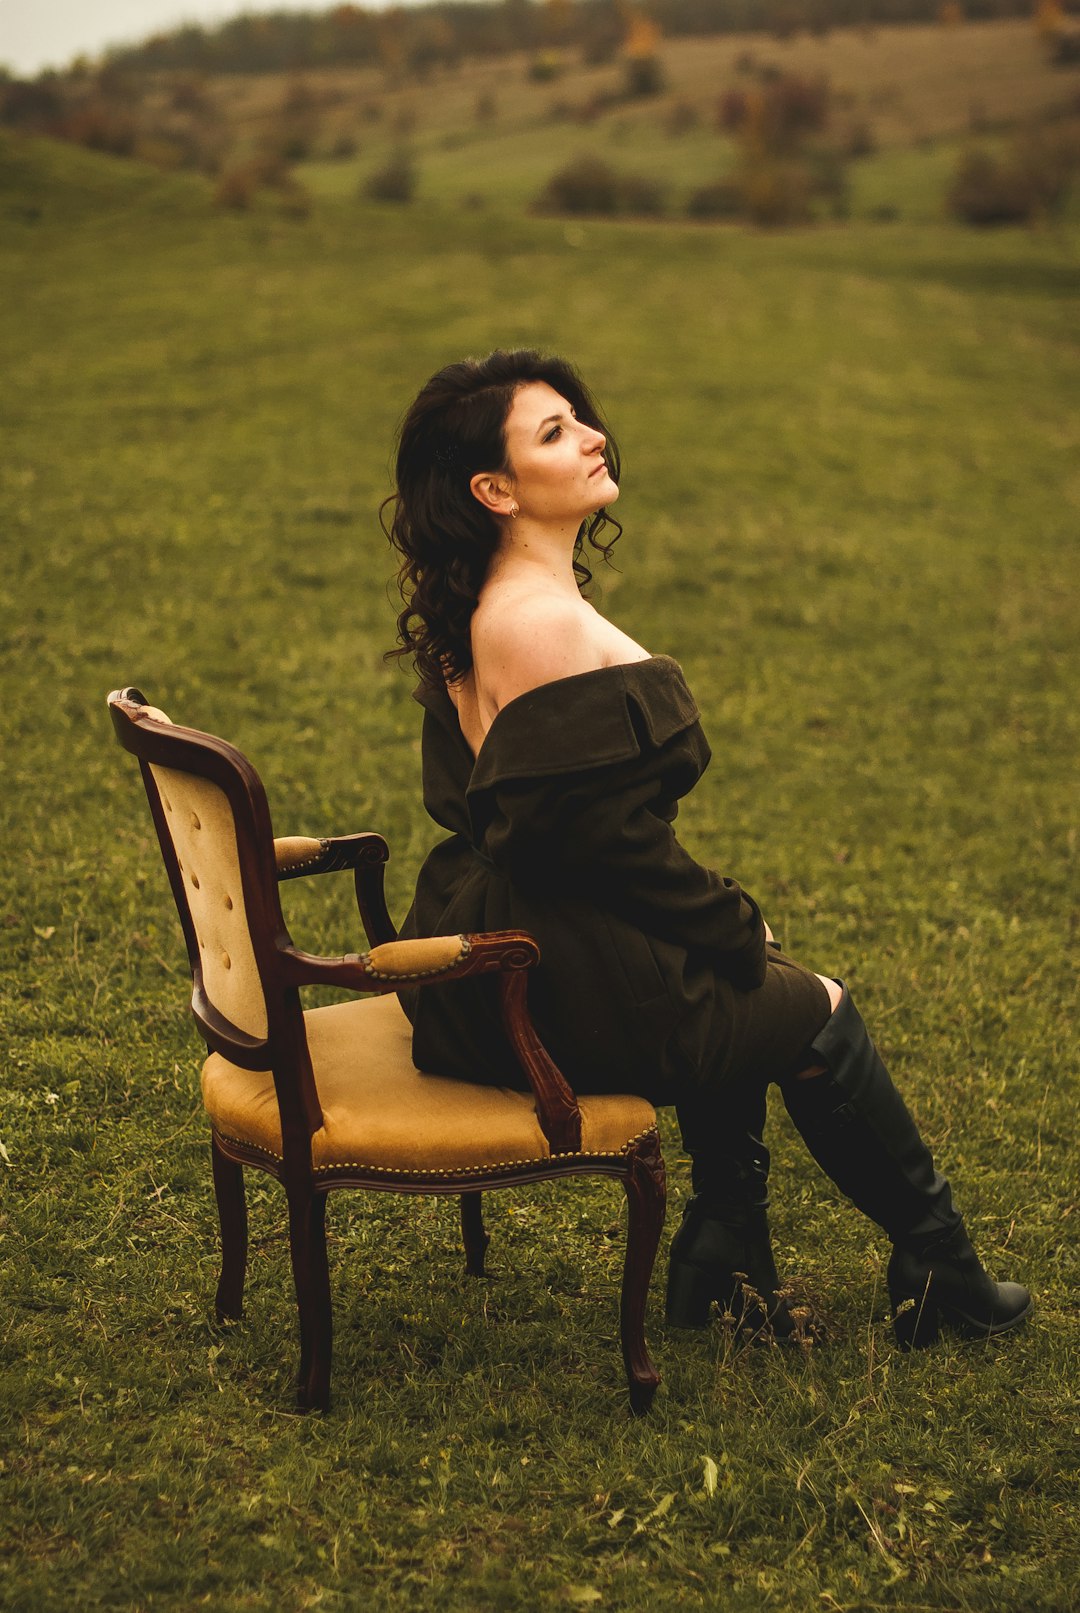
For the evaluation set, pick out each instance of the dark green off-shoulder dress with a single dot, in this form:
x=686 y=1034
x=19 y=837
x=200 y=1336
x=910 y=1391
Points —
x=654 y=975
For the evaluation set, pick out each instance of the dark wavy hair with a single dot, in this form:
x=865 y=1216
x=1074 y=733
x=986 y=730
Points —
x=454 y=430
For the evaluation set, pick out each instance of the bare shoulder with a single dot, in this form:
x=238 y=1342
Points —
x=521 y=640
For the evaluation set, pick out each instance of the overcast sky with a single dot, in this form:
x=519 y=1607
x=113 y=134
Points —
x=48 y=33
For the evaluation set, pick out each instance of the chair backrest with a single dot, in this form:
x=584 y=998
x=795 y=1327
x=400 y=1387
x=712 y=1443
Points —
x=213 y=825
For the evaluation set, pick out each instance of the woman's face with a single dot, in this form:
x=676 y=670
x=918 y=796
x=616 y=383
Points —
x=556 y=460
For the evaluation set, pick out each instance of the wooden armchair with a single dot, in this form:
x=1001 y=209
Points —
x=330 y=1098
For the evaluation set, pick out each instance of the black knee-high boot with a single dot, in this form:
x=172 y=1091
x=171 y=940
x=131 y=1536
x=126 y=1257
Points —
x=858 y=1128
x=722 y=1249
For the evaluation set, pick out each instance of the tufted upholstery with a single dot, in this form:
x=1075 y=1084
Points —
x=203 y=831
x=380 y=1112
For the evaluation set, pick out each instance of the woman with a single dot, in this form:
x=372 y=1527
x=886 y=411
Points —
x=555 y=752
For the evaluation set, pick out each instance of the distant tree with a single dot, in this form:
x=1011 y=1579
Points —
x=395 y=181
x=643 y=69
x=1050 y=18
x=35 y=107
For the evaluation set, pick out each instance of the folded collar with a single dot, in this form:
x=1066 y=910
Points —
x=576 y=723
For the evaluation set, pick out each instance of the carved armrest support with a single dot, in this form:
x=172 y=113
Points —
x=366 y=854
x=507 y=953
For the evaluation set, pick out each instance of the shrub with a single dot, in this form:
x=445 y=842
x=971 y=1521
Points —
x=189 y=95
x=101 y=127
x=395 y=181
x=1065 y=48
x=857 y=139
x=586 y=185
x=236 y=186
x=682 y=117
x=344 y=146
x=1048 y=155
x=295 y=199
x=828 y=175
x=732 y=111
x=24 y=104
x=160 y=152
x=545 y=68
x=778 y=114
x=602 y=41
x=296 y=141
x=1033 y=177
x=987 y=191
x=639 y=196
x=793 y=108
x=239 y=184
x=776 y=193
x=722 y=198
x=588 y=111
x=486 y=107
x=643 y=75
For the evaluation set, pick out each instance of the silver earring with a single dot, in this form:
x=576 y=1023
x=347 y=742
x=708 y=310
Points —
x=513 y=512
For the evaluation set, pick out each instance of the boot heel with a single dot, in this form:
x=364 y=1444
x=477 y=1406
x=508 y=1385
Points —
x=689 y=1296
x=916 y=1320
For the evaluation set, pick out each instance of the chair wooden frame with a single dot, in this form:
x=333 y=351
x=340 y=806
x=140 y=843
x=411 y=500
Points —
x=283 y=970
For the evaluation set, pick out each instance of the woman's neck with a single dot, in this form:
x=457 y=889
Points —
x=541 y=554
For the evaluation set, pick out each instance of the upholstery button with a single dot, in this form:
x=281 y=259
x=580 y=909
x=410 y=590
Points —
x=166 y=803
x=195 y=824
x=228 y=903
x=195 y=880
x=226 y=960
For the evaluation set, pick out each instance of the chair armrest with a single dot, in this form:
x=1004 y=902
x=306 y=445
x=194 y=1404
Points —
x=506 y=953
x=397 y=963
x=299 y=855
x=366 y=854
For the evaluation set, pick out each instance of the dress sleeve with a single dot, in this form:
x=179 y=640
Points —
x=607 y=831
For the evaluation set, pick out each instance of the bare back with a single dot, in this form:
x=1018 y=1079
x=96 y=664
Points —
x=524 y=635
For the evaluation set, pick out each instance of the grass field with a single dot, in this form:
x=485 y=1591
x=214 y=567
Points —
x=851 y=497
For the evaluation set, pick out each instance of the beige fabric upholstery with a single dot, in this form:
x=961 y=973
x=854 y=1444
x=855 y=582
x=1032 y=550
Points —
x=201 y=823
x=412 y=960
x=380 y=1112
x=293 y=851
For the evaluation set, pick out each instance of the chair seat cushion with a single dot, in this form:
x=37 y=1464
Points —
x=381 y=1113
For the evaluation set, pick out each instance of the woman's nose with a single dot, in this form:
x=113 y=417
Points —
x=597 y=443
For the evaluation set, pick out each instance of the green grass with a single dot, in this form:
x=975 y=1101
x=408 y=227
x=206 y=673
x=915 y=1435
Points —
x=851 y=511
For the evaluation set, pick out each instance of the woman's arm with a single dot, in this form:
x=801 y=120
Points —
x=600 y=832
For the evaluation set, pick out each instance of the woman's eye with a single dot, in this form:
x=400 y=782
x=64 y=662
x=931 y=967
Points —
x=553 y=433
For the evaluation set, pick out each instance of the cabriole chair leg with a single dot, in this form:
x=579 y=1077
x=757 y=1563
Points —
x=311 y=1273
x=232 y=1214
x=646 y=1203
x=472 y=1231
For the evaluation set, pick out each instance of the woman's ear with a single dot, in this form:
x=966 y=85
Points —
x=493 y=492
